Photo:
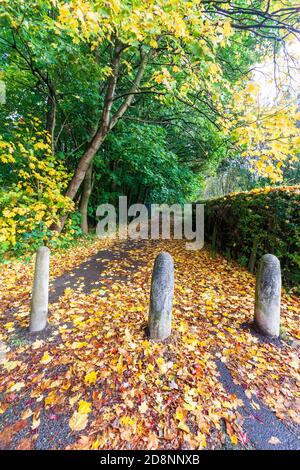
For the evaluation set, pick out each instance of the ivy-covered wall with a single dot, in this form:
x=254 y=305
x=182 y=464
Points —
x=244 y=226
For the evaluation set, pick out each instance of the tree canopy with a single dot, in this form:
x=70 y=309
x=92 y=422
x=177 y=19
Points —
x=138 y=98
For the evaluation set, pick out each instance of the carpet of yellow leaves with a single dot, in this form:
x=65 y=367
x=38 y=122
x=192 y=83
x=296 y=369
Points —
x=119 y=390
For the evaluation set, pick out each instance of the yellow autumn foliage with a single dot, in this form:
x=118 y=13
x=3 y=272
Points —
x=267 y=135
x=36 y=199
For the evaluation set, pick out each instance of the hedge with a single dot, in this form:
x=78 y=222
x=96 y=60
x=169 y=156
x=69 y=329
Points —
x=246 y=225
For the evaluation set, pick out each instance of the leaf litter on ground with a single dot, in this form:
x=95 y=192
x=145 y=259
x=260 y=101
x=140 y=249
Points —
x=96 y=367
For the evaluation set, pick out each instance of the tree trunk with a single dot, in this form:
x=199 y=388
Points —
x=140 y=193
x=107 y=122
x=85 y=162
x=51 y=116
x=84 y=201
x=146 y=195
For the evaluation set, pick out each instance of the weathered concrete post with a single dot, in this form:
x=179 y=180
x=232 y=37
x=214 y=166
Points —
x=161 y=298
x=40 y=291
x=268 y=296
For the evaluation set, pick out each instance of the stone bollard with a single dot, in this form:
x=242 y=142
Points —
x=161 y=298
x=267 y=296
x=40 y=291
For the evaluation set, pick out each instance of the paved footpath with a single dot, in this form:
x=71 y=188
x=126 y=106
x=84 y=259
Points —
x=260 y=425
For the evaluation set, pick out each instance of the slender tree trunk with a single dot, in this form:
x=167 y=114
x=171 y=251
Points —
x=145 y=195
x=51 y=116
x=85 y=162
x=140 y=193
x=130 y=194
x=84 y=201
x=107 y=122
x=113 y=186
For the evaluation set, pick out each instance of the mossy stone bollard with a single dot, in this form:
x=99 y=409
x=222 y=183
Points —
x=40 y=291
x=161 y=298
x=268 y=296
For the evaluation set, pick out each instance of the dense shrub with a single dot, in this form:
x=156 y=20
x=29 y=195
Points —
x=246 y=225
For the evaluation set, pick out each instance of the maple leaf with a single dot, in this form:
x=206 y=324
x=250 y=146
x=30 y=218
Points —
x=26 y=414
x=46 y=358
x=78 y=421
x=37 y=344
x=17 y=387
x=231 y=433
x=189 y=404
x=11 y=365
x=35 y=423
x=120 y=367
x=127 y=420
x=84 y=407
x=96 y=444
x=143 y=408
x=90 y=378
x=180 y=414
x=183 y=426
x=36 y=419
x=50 y=399
x=274 y=441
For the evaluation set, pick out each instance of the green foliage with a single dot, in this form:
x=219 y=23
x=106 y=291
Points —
x=135 y=160
x=248 y=225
